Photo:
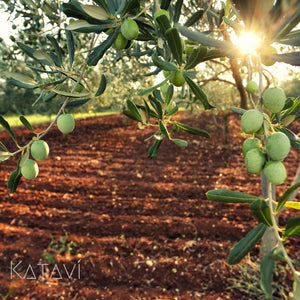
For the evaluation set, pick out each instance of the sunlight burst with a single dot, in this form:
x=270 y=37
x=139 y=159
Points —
x=248 y=42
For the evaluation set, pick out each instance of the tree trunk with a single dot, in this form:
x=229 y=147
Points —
x=239 y=83
x=234 y=66
x=268 y=241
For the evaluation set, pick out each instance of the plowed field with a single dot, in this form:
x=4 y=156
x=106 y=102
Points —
x=102 y=221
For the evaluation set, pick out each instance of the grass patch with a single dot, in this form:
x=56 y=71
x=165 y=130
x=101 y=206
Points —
x=247 y=282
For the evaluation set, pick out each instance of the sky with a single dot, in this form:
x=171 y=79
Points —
x=5 y=27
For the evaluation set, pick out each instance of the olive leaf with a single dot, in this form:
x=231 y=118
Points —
x=14 y=180
x=292 y=228
x=3 y=147
x=4 y=156
x=245 y=245
x=286 y=196
x=227 y=196
x=6 y=126
x=102 y=86
x=197 y=91
x=192 y=130
x=26 y=123
x=180 y=143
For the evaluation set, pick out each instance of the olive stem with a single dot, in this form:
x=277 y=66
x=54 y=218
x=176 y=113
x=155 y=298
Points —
x=276 y=232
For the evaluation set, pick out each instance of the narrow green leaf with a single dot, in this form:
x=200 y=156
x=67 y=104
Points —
x=292 y=58
x=43 y=57
x=23 y=158
x=74 y=9
x=153 y=150
x=103 y=4
x=6 y=126
x=236 y=26
x=40 y=97
x=164 y=65
x=21 y=80
x=112 y=7
x=95 y=11
x=71 y=46
x=85 y=27
x=147 y=110
x=153 y=88
x=286 y=196
x=51 y=95
x=52 y=83
x=39 y=70
x=177 y=11
x=289 y=102
x=292 y=227
x=198 y=92
x=130 y=115
x=99 y=51
x=26 y=123
x=174 y=42
x=4 y=156
x=292 y=39
x=132 y=107
x=277 y=254
x=56 y=47
x=294 y=139
x=213 y=18
x=227 y=196
x=3 y=147
x=77 y=103
x=26 y=49
x=156 y=105
x=291 y=107
x=165 y=4
x=245 y=245
x=294 y=205
x=205 y=40
x=72 y=95
x=261 y=210
x=266 y=271
x=173 y=111
x=163 y=23
x=196 y=57
x=180 y=143
x=237 y=110
x=102 y=86
x=127 y=6
x=14 y=180
x=163 y=129
x=289 y=22
x=169 y=94
x=196 y=16
x=192 y=130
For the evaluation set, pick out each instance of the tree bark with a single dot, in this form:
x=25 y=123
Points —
x=234 y=66
x=268 y=241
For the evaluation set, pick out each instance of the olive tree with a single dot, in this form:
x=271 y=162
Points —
x=164 y=38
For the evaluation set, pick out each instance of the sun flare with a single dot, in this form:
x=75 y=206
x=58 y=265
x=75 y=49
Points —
x=248 y=42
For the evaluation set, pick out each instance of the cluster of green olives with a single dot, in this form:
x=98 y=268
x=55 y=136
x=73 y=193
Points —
x=129 y=31
x=39 y=149
x=268 y=157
